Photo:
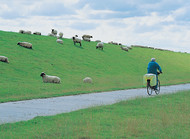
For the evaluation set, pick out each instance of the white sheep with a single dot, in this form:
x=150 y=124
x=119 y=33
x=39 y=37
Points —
x=115 y=43
x=25 y=44
x=124 y=48
x=98 y=41
x=50 y=79
x=21 y=31
x=4 y=59
x=59 y=41
x=100 y=45
x=86 y=39
x=37 y=33
x=60 y=35
x=87 y=36
x=27 y=32
x=54 y=32
x=50 y=34
x=129 y=47
x=76 y=40
x=87 y=80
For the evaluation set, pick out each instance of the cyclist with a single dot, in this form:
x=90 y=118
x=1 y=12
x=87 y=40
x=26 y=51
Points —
x=153 y=66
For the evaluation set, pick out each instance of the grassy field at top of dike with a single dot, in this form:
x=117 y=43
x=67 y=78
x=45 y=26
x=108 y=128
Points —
x=110 y=69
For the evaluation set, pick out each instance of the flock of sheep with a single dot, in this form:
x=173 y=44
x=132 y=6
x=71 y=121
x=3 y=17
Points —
x=76 y=39
x=48 y=78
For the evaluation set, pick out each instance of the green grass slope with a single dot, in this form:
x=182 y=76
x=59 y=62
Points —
x=110 y=69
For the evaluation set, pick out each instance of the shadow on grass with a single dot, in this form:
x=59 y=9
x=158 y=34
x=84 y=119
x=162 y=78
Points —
x=78 y=46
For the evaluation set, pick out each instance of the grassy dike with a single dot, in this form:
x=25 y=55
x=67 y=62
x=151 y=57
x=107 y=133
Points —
x=163 y=116
x=110 y=69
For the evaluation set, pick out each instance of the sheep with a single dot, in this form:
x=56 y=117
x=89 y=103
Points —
x=87 y=36
x=115 y=43
x=124 y=48
x=129 y=47
x=100 y=45
x=27 y=32
x=98 y=41
x=87 y=80
x=59 y=41
x=151 y=47
x=25 y=44
x=50 y=34
x=24 y=32
x=159 y=49
x=76 y=40
x=54 y=32
x=37 y=33
x=139 y=46
x=86 y=39
x=21 y=31
x=4 y=59
x=60 y=35
x=50 y=79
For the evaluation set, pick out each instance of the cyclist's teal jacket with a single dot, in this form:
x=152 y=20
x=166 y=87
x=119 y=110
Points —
x=153 y=67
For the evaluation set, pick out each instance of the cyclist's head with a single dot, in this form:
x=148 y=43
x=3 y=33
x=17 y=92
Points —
x=153 y=59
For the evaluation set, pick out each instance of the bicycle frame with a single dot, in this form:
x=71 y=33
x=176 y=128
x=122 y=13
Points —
x=150 y=88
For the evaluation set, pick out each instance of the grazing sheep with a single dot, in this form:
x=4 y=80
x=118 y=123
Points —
x=25 y=44
x=151 y=47
x=87 y=36
x=76 y=40
x=21 y=31
x=59 y=41
x=129 y=47
x=86 y=39
x=54 y=32
x=50 y=34
x=37 y=33
x=100 y=45
x=98 y=41
x=60 y=35
x=139 y=46
x=115 y=43
x=27 y=32
x=124 y=48
x=4 y=59
x=87 y=80
x=50 y=79
x=159 y=49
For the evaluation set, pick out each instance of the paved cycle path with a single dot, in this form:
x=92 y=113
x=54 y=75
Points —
x=25 y=110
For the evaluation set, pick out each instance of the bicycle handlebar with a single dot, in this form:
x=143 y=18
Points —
x=159 y=73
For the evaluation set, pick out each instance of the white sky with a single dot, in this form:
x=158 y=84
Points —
x=157 y=23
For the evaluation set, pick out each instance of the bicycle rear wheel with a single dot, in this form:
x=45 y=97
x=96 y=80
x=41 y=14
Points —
x=158 y=88
x=149 y=89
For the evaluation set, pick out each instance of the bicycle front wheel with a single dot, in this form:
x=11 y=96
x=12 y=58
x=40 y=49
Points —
x=158 y=88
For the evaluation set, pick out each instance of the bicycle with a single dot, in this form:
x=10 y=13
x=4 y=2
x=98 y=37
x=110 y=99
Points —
x=150 y=88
